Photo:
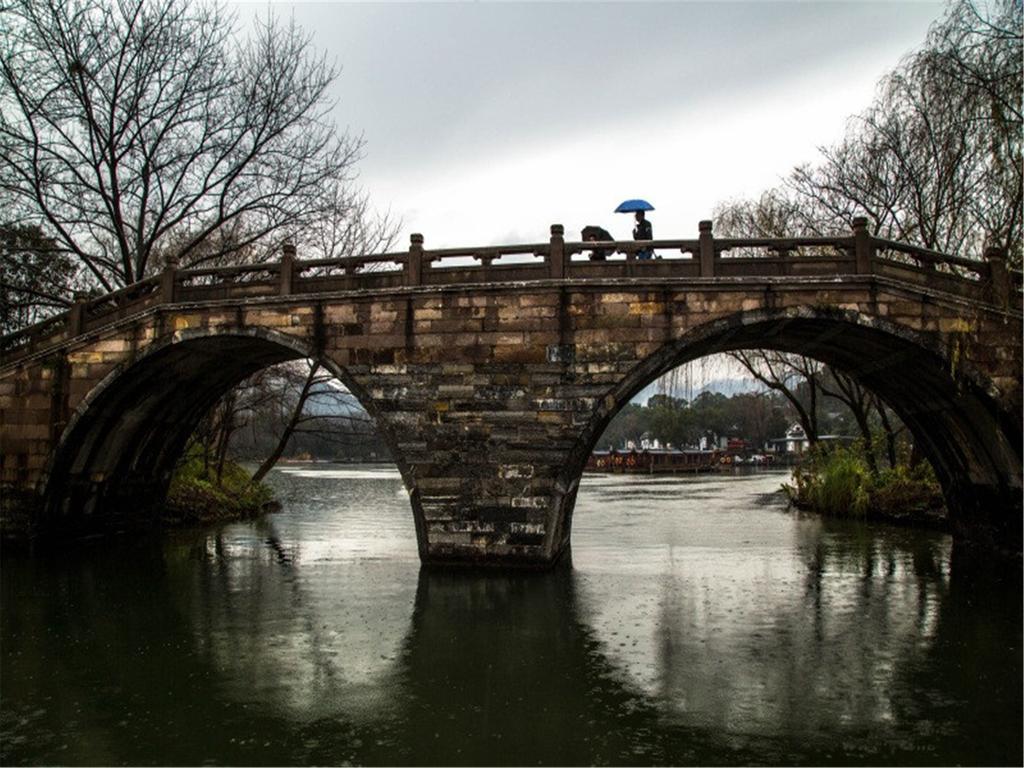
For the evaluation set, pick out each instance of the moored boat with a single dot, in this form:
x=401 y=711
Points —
x=653 y=461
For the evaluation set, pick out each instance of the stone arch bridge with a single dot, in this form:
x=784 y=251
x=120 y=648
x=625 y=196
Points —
x=492 y=372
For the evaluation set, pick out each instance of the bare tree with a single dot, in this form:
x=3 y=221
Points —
x=278 y=404
x=308 y=399
x=892 y=428
x=131 y=126
x=914 y=177
x=349 y=227
x=936 y=159
x=978 y=51
x=212 y=437
x=860 y=401
x=774 y=214
x=297 y=410
x=795 y=377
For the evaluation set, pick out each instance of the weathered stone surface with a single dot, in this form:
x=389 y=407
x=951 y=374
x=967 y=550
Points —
x=492 y=400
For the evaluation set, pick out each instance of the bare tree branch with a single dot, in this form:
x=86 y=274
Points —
x=135 y=128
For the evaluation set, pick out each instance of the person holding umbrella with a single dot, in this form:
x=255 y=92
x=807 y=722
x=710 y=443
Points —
x=643 y=229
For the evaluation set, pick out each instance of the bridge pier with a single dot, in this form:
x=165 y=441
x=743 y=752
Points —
x=485 y=449
x=986 y=515
x=515 y=525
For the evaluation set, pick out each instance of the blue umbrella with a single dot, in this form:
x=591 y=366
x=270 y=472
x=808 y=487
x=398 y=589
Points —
x=629 y=206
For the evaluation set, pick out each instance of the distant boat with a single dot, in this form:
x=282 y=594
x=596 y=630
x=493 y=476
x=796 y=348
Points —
x=653 y=461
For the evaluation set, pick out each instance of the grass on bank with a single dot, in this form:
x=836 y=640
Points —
x=837 y=481
x=197 y=495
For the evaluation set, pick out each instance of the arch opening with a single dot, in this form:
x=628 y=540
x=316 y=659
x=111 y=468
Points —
x=954 y=416
x=114 y=463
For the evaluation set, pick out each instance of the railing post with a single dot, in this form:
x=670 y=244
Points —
x=556 y=256
x=168 y=280
x=287 y=275
x=863 y=250
x=998 y=276
x=76 y=315
x=707 y=249
x=414 y=262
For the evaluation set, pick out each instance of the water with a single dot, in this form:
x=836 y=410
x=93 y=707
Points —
x=700 y=623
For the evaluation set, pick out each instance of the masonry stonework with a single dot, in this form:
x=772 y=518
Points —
x=491 y=398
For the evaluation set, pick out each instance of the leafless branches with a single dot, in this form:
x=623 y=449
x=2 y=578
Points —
x=795 y=377
x=268 y=414
x=131 y=126
x=806 y=384
x=935 y=160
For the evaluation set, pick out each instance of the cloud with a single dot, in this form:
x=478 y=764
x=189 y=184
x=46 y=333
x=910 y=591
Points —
x=488 y=120
x=685 y=159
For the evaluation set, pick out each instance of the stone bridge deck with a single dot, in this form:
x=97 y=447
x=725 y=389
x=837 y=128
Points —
x=492 y=380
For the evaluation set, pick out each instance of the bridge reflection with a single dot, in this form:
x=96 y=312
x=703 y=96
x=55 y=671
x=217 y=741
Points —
x=220 y=647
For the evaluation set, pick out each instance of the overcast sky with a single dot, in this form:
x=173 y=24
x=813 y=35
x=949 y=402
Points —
x=485 y=122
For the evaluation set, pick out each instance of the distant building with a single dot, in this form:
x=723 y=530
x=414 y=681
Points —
x=795 y=442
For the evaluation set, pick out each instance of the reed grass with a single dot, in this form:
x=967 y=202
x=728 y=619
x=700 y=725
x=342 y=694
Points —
x=837 y=481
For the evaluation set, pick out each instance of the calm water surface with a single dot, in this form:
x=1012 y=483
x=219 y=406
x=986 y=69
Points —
x=700 y=622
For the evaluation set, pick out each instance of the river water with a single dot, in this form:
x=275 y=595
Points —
x=700 y=622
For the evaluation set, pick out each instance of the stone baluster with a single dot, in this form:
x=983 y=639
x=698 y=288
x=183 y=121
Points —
x=414 y=261
x=784 y=254
x=863 y=248
x=998 y=276
x=707 y=249
x=169 y=280
x=556 y=256
x=287 y=274
x=76 y=315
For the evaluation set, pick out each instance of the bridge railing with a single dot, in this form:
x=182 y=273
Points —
x=859 y=253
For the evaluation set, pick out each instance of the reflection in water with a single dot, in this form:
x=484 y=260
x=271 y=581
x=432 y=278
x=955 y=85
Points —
x=698 y=623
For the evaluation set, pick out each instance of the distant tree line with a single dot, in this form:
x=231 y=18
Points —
x=754 y=416
x=817 y=399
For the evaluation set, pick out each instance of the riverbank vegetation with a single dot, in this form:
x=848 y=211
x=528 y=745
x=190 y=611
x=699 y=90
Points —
x=671 y=418
x=853 y=456
x=840 y=481
x=202 y=491
x=295 y=409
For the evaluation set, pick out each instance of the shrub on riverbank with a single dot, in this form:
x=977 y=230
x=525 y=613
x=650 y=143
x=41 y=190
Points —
x=838 y=482
x=197 y=495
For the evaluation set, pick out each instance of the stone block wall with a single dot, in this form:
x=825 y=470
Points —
x=491 y=397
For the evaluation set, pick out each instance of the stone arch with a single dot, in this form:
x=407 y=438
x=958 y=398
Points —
x=124 y=436
x=956 y=414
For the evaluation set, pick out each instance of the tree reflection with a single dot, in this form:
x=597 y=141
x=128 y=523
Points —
x=850 y=645
x=868 y=661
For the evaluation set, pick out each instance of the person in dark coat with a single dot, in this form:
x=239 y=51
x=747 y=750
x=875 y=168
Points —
x=643 y=231
x=592 y=233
